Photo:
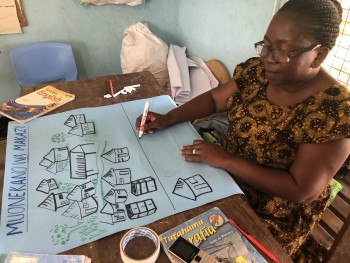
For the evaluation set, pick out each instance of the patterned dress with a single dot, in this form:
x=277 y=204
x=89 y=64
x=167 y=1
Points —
x=269 y=135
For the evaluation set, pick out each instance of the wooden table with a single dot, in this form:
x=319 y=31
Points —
x=89 y=93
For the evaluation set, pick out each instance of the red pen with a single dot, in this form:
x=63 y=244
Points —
x=255 y=242
x=111 y=86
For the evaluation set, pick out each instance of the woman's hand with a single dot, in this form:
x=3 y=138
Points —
x=204 y=152
x=153 y=122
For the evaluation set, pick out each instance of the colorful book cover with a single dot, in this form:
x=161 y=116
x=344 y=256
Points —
x=35 y=104
x=213 y=233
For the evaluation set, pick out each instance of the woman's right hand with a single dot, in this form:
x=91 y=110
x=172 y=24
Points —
x=154 y=121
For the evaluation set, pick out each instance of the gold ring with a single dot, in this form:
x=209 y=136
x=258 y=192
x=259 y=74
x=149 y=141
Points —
x=194 y=152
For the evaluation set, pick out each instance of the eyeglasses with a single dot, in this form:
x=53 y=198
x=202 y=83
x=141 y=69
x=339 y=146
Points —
x=279 y=55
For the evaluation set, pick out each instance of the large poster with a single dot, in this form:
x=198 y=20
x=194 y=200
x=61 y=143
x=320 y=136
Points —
x=77 y=176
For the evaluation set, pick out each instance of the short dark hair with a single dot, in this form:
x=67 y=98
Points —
x=321 y=18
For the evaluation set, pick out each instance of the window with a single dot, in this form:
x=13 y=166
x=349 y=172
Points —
x=338 y=61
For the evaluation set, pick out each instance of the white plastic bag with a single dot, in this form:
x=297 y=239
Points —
x=141 y=50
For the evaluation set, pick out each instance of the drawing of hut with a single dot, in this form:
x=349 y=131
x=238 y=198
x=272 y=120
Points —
x=79 y=210
x=82 y=129
x=55 y=201
x=79 y=125
x=117 y=155
x=143 y=186
x=192 y=187
x=118 y=176
x=112 y=213
x=83 y=161
x=81 y=192
x=55 y=160
x=115 y=196
x=47 y=185
x=141 y=209
x=73 y=120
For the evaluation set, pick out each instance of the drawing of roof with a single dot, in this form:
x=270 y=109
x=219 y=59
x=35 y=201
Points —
x=73 y=120
x=79 y=210
x=141 y=209
x=192 y=187
x=47 y=185
x=118 y=176
x=143 y=186
x=115 y=196
x=81 y=192
x=117 y=155
x=55 y=201
x=82 y=129
x=83 y=161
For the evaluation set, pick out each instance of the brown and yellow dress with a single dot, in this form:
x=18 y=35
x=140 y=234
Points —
x=269 y=135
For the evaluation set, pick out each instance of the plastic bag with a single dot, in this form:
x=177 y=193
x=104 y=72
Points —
x=141 y=50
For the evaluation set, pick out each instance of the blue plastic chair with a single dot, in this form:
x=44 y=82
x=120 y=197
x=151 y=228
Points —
x=43 y=62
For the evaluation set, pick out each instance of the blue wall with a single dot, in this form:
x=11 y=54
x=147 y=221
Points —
x=224 y=29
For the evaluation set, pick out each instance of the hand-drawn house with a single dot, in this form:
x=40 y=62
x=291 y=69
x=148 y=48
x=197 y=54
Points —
x=55 y=160
x=79 y=125
x=112 y=213
x=118 y=176
x=82 y=129
x=115 y=196
x=79 y=210
x=83 y=161
x=143 y=186
x=55 y=201
x=47 y=185
x=117 y=155
x=141 y=209
x=73 y=120
x=81 y=192
x=192 y=187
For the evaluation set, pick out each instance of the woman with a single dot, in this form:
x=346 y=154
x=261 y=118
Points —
x=289 y=123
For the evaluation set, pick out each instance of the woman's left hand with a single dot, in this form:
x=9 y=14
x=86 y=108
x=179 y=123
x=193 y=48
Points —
x=209 y=153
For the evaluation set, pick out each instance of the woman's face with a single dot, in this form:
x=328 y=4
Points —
x=285 y=33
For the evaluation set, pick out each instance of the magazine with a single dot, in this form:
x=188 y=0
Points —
x=213 y=233
x=35 y=104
